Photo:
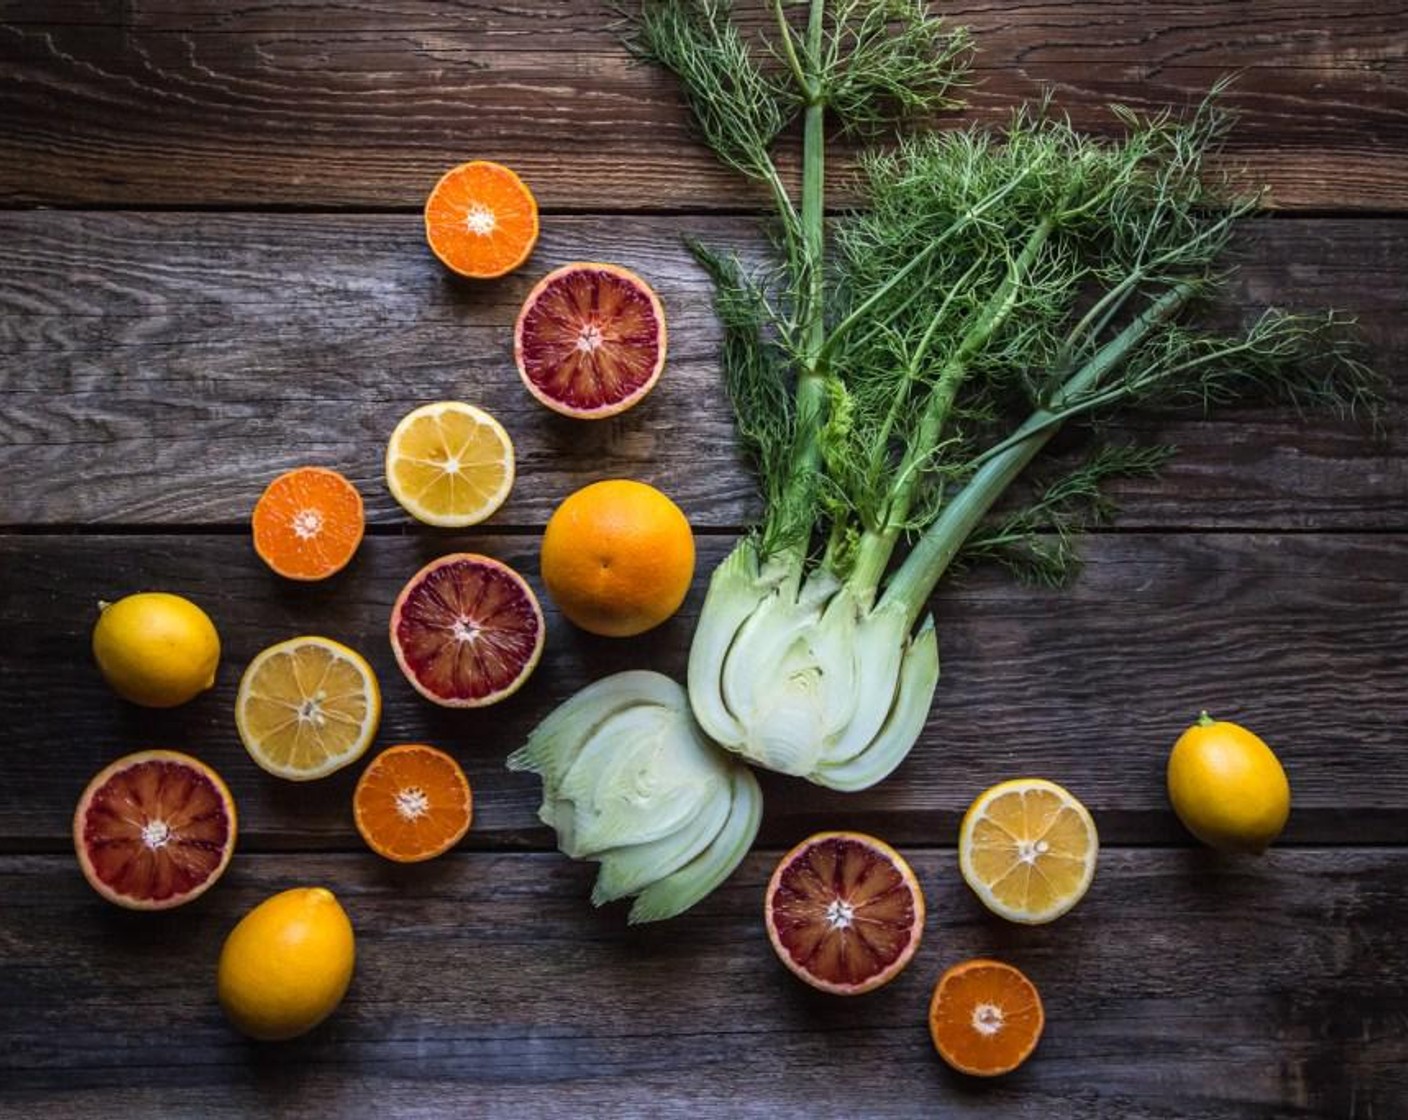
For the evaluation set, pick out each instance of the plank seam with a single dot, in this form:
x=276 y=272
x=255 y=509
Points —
x=389 y=531
x=405 y=209
x=64 y=846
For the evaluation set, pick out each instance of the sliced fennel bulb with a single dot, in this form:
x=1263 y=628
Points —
x=803 y=677
x=630 y=781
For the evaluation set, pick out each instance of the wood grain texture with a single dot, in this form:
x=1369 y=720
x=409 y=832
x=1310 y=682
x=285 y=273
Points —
x=345 y=104
x=1181 y=987
x=156 y=369
x=1299 y=636
x=161 y=368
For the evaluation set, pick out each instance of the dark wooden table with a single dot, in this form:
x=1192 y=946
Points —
x=212 y=270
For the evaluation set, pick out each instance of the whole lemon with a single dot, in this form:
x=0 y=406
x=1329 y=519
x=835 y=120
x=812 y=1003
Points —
x=156 y=649
x=1227 y=786
x=286 y=966
x=618 y=557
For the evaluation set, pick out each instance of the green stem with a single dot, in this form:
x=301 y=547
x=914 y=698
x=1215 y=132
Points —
x=1063 y=408
x=786 y=210
x=810 y=380
x=1205 y=720
x=878 y=544
x=914 y=368
x=941 y=542
x=811 y=383
x=789 y=47
x=1104 y=310
x=814 y=195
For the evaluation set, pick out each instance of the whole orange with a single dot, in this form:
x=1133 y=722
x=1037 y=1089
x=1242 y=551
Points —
x=618 y=557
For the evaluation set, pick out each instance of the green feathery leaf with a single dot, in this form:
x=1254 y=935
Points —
x=1037 y=542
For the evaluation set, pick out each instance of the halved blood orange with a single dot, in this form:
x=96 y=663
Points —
x=308 y=523
x=590 y=340
x=467 y=630
x=481 y=220
x=412 y=802
x=154 y=830
x=985 y=1017
x=844 y=911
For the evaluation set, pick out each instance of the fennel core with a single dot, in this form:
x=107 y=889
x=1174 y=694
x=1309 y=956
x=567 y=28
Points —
x=895 y=370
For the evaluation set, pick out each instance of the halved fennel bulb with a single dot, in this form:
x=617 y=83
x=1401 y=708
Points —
x=630 y=781
x=803 y=677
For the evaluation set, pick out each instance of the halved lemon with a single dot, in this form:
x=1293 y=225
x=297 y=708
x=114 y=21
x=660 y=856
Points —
x=307 y=707
x=1027 y=847
x=449 y=464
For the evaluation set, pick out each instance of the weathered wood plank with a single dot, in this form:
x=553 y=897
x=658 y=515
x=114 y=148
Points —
x=279 y=340
x=1300 y=636
x=160 y=368
x=348 y=104
x=1181 y=987
x=1262 y=33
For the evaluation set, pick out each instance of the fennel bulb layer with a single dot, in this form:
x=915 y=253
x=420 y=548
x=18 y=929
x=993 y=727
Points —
x=630 y=781
x=801 y=676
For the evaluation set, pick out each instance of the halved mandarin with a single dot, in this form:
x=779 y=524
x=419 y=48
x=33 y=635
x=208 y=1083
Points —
x=481 y=220
x=985 y=1017
x=412 y=803
x=308 y=523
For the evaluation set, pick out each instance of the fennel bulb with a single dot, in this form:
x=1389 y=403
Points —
x=630 y=782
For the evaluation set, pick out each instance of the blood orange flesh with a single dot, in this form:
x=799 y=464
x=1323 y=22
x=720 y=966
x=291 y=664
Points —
x=590 y=340
x=467 y=630
x=844 y=912
x=154 y=830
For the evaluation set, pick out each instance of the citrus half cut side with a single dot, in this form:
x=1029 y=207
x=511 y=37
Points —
x=308 y=523
x=154 y=830
x=307 y=707
x=467 y=631
x=481 y=220
x=412 y=803
x=590 y=340
x=1028 y=848
x=449 y=464
x=844 y=912
x=985 y=1017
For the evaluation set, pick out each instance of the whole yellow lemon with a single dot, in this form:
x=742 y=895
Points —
x=1227 y=786
x=286 y=966
x=156 y=649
